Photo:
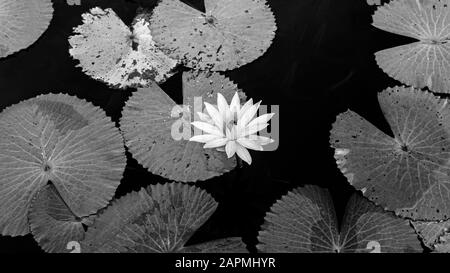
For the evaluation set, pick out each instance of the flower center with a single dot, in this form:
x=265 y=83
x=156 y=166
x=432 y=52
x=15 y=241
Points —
x=231 y=125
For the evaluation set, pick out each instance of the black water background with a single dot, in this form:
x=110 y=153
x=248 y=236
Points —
x=320 y=64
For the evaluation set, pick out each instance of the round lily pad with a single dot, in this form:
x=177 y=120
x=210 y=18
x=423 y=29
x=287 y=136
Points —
x=109 y=51
x=53 y=224
x=424 y=63
x=408 y=171
x=151 y=122
x=61 y=139
x=22 y=22
x=229 y=34
x=304 y=220
x=160 y=218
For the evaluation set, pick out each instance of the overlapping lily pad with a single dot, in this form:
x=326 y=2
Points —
x=425 y=63
x=61 y=139
x=160 y=218
x=433 y=234
x=408 y=172
x=231 y=33
x=22 y=22
x=53 y=224
x=304 y=220
x=110 y=52
x=157 y=131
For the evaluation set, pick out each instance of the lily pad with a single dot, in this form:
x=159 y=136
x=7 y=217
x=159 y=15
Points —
x=407 y=172
x=431 y=232
x=373 y=2
x=304 y=220
x=109 y=51
x=424 y=63
x=231 y=33
x=160 y=218
x=61 y=139
x=52 y=223
x=151 y=121
x=443 y=245
x=22 y=22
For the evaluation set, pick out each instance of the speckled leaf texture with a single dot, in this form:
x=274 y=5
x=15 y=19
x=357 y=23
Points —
x=110 y=52
x=52 y=223
x=432 y=233
x=158 y=219
x=231 y=33
x=150 y=116
x=61 y=139
x=22 y=22
x=407 y=172
x=304 y=220
x=425 y=63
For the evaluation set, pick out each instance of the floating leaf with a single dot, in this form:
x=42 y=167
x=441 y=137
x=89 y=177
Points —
x=409 y=172
x=110 y=52
x=227 y=245
x=443 y=245
x=160 y=218
x=231 y=33
x=151 y=121
x=22 y=22
x=61 y=139
x=305 y=221
x=423 y=63
x=430 y=232
x=52 y=223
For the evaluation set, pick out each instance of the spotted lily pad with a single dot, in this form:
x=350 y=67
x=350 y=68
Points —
x=22 y=22
x=61 y=139
x=160 y=218
x=151 y=124
x=110 y=52
x=53 y=224
x=424 y=63
x=408 y=171
x=231 y=33
x=304 y=220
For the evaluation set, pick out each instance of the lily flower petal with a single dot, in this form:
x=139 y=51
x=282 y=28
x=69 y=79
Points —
x=250 y=130
x=243 y=154
x=263 y=119
x=219 y=142
x=215 y=115
x=250 y=144
x=204 y=117
x=261 y=140
x=230 y=148
x=222 y=105
x=203 y=138
x=210 y=129
x=249 y=114
x=235 y=104
x=244 y=108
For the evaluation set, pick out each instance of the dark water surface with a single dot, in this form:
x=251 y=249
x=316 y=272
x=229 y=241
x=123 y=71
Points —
x=320 y=64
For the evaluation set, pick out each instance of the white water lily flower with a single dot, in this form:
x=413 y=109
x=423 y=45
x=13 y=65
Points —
x=232 y=128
